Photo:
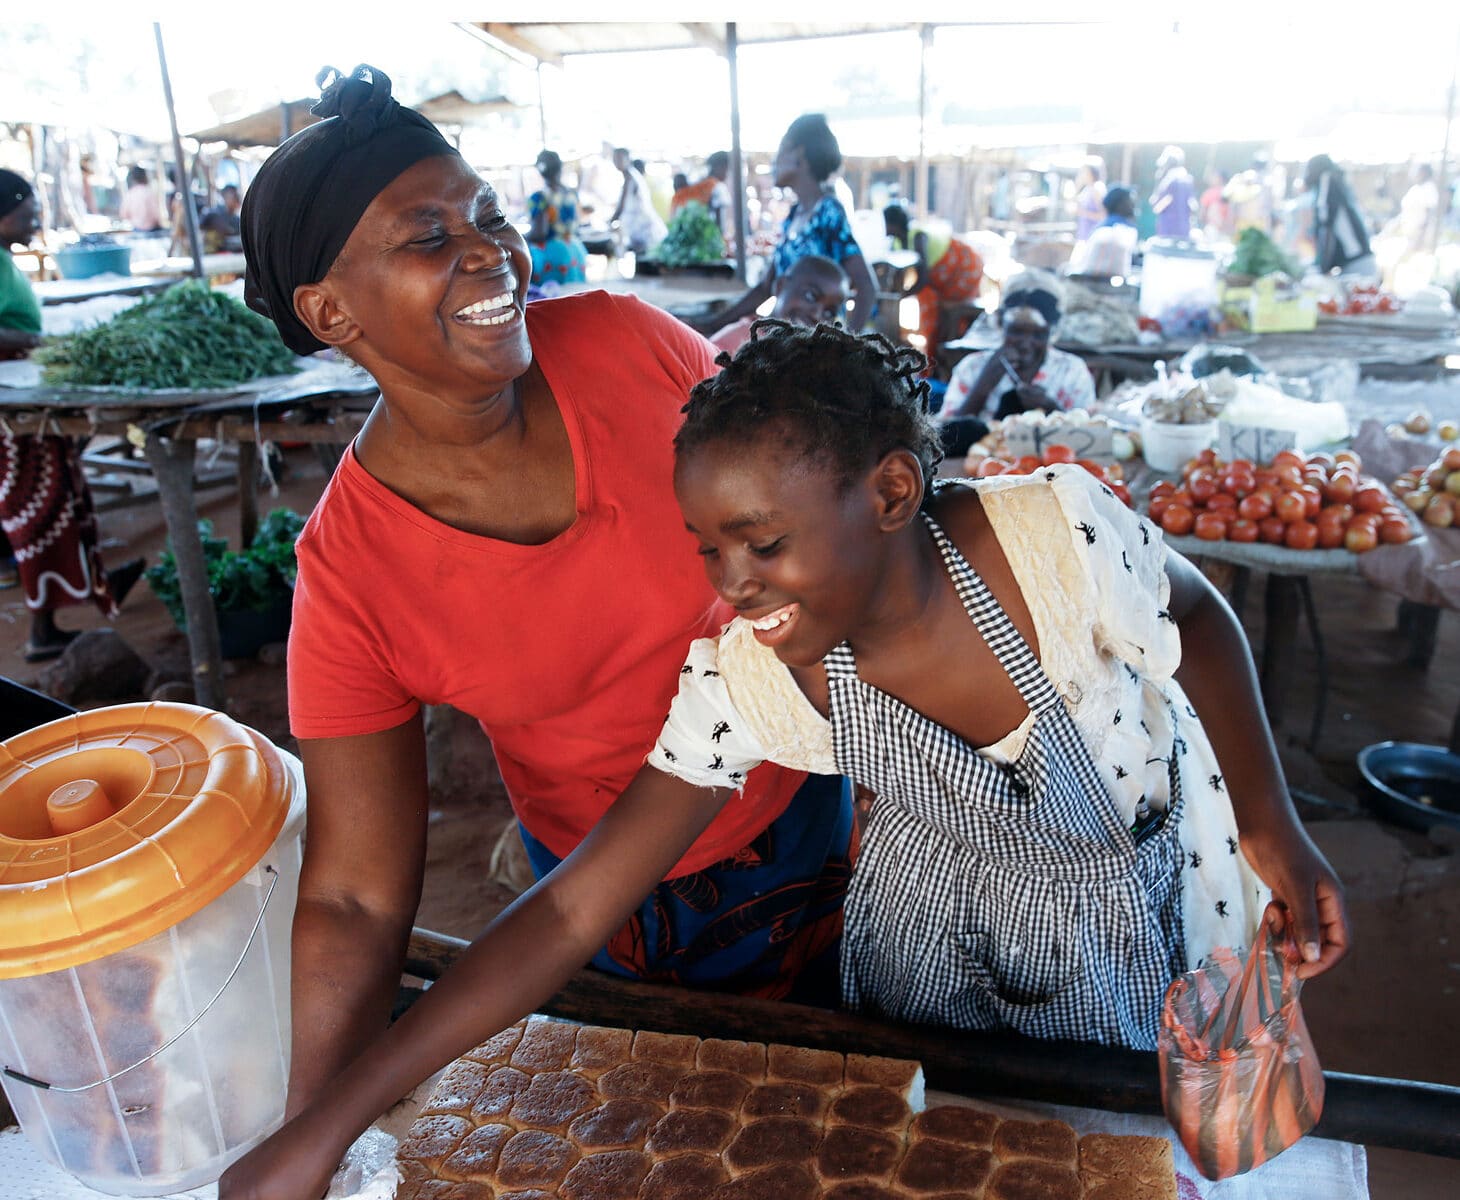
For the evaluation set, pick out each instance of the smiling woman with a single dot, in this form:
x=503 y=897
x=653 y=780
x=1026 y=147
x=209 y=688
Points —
x=502 y=537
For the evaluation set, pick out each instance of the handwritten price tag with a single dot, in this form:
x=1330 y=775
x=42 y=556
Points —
x=1255 y=443
x=1087 y=441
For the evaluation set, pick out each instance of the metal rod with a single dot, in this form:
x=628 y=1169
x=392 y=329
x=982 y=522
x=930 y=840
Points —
x=737 y=161
x=185 y=197
x=925 y=40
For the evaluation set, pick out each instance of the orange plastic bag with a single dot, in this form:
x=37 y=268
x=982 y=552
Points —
x=1240 y=1081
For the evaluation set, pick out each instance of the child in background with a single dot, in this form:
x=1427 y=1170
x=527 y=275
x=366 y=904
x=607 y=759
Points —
x=1056 y=833
x=814 y=291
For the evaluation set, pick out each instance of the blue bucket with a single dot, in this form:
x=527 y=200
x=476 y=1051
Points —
x=83 y=261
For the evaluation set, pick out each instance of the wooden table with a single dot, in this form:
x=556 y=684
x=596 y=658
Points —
x=325 y=403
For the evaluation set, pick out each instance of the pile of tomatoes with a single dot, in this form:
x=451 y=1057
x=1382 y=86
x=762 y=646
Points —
x=1321 y=502
x=1362 y=300
x=1112 y=476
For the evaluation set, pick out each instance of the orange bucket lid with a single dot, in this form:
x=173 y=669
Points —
x=118 y=823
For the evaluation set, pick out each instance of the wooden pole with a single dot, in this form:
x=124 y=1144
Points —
x=172 y=467
x=541 y=110
x=195 y=242
x=737 y=161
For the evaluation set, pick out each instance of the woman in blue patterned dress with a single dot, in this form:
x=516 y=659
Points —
x=817 y=224
x=558 y=254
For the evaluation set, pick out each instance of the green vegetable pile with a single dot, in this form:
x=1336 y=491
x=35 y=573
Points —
x=694 y=237
x=188 y=337
x=1258 y=255
x=252 y=580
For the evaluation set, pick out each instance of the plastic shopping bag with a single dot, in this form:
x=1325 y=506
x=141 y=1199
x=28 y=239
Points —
x=1240 y=1081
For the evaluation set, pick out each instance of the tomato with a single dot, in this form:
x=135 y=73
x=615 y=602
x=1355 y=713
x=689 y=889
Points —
x=1450 y=460
x=1348 y=456
x=1223 y=500
x=1290 y=507
x=1266 y=477
x=1205 y=457
x=1178 y=519
x=1027 y=465
x=992 y=466
x=1330 y=534
x=1289 y=475
x=1271 y=530
x=1210 y=527
x=1340 y=488
x=1164 y=488
x=1312 y=501
x=1055 y=453
x=1099 y=472
x=1242 y=464
x=1122 y=493
x=1344 y=512
x=1202 y=485
x=1315 y=477
x=1370 y=499
x=1256 y=506
x=1238 y=483
x=1395 y=531
x=1363 y=521
x=1182 y=496
x=1288 y=457
x=1323 y=461
x=1360 y=538
x=1242 y=530
x=1301 y=535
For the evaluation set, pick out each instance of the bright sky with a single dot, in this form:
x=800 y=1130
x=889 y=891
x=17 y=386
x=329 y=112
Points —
x=1235 y=70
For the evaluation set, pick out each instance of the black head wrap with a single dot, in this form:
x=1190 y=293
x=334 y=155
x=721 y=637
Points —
x=1046 y=304
x=311 y=192
x=15 y=190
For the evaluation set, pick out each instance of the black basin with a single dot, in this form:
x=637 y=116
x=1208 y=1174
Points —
x=1414 y=785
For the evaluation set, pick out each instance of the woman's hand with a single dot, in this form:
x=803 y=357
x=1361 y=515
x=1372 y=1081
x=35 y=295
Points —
x=1034 y=397
x=1307 y=896
x=296 y=1163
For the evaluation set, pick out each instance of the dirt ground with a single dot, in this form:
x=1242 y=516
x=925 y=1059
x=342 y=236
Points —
x=1390 y=1009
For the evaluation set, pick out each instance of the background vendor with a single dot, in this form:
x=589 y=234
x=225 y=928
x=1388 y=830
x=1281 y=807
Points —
x=1024 y=374
x=949 y=271
x=45 y=505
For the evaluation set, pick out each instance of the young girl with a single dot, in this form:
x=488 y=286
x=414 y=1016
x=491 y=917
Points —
x=1056 y=833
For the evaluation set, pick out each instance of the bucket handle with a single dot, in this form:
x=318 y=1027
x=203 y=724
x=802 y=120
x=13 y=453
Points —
x=21 y=1077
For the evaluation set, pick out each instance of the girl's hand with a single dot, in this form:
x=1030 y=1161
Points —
x=1307 y=896
x=296 y=1163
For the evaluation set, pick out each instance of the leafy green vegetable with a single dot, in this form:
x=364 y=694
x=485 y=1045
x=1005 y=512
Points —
x=252 y=580
x=190 y=336
x=694 y=237
x=1258 y=255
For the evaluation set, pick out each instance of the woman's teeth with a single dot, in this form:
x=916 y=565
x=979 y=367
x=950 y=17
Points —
x=776 y=619
x=496 y=311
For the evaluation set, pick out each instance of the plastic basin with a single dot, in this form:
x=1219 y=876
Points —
x=82 y=262
x=1412 y=784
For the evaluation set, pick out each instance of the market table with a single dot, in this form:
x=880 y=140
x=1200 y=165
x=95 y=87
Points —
x=327 y=400
x=69 y=291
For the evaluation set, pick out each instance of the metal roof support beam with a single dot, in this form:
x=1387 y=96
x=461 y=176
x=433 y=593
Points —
x=507 y=34
x=925 y=42
x=706 y=35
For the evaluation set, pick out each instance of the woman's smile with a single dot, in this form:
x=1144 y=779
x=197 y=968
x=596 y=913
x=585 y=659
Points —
x=495 y=310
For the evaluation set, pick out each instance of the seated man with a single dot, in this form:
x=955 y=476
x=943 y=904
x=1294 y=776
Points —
x=814 y=291
x=219 y=224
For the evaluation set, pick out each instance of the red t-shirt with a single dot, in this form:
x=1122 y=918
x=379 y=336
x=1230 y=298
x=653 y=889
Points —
x=568 y=653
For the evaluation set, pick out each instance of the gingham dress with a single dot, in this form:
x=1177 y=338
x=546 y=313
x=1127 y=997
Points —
x=1048 y=918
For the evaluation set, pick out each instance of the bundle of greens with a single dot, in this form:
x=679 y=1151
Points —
x=188 y=337
x=252 y=580
x=694 y=237
x=1258 y=255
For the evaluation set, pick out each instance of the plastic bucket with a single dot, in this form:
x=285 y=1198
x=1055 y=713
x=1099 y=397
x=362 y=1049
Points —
x=1167 y=447
x=152 y=856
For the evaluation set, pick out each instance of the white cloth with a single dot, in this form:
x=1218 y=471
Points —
x=1101 y=642
x=643 y=227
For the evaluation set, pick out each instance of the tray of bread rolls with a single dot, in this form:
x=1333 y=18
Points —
x=551 y=1109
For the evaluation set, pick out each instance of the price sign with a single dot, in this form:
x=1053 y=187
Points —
x=1091 y=441
x=1256 y=443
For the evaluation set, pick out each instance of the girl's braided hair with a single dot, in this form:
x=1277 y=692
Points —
x=834 y=396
